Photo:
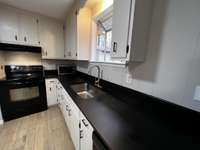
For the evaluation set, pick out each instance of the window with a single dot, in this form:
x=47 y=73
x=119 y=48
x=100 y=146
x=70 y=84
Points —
x=104 y=39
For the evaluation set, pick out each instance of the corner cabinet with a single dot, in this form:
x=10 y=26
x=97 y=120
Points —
x=131 y=24
x=78 y=33
x=51 y=38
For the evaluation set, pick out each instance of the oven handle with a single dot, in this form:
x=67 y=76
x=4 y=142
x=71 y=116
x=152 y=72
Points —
x=18 y=83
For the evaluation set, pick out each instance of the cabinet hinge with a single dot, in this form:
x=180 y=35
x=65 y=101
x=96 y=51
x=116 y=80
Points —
x=79 y=125
x=127 y=49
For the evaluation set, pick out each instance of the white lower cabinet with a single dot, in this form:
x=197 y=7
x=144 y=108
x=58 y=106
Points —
x=86 y=131
x=79 y=127
x=51 y=90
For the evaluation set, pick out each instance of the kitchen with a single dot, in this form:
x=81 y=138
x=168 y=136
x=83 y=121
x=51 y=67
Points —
x=99 y=74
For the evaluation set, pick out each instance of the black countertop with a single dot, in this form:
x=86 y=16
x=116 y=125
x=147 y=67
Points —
x=125 y=119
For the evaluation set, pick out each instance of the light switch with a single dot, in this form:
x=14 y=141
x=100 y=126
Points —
x=197 y=93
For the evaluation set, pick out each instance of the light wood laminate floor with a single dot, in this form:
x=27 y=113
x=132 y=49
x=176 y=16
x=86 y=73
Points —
x=41 y=131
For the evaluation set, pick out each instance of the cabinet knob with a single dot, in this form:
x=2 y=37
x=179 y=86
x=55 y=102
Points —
x=25 y=39
x=114 y=47
x=84 y=123
x=69 y=112
x=16 y=37
x=81 y=134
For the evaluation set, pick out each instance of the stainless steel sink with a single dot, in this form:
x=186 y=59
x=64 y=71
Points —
x=84 y=90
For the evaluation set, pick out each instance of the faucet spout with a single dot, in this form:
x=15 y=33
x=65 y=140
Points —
x=97 y=80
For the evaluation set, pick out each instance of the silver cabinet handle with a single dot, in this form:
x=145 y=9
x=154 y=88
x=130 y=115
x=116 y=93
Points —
x=15 y=37
x=81 y=134
x=69 y=112
x=67 y=107
x=114 y=47
x=25 y=39
x=85 y=124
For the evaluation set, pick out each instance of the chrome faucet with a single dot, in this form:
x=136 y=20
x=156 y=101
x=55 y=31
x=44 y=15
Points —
x=97 y=80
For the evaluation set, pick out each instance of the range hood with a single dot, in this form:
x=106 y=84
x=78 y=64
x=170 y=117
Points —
x=19 y=48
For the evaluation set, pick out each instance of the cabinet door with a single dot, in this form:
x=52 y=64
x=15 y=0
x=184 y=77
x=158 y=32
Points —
x=71 y=34
x=83 y=33
x=86 y=132
x=29 y=30
x=51 y=92
x=67 y=38
x=52 y=38
x=120 y=28
x=75 y=129
x=9 y=25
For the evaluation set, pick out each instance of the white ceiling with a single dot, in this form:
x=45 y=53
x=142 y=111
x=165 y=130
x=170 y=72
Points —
x=52 y=8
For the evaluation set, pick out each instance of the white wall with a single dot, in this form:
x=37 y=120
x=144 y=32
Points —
x=171 y=70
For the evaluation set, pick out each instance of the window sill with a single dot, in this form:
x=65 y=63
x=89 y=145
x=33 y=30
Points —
x=122 y=64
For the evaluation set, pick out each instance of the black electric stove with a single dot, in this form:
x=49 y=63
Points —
x=24 y=93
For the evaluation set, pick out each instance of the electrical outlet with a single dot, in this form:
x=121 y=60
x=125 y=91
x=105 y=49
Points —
x=197 y=93
x=128 y=78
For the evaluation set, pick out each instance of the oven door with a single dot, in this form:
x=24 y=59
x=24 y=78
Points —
x=20 y=98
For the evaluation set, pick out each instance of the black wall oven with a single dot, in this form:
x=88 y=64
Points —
x=23 y=95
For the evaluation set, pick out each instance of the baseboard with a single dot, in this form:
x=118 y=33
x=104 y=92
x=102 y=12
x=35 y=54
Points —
x=1 y=122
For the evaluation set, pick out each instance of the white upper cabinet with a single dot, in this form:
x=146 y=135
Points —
x=131 y=24
x=51 y=38
x=29 y=29
x=77 y=33
x=71 y=34
x=84 y=33
x=121 y=16
x=18 y=27
x=9 y=25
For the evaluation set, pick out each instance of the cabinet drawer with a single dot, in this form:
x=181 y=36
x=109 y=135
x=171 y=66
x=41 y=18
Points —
x=85 y=122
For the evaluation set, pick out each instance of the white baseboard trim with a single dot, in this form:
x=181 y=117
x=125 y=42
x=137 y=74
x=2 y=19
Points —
x=1 y=122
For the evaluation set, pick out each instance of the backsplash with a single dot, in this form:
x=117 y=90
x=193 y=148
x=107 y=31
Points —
x=22 y=58
x=26 y=58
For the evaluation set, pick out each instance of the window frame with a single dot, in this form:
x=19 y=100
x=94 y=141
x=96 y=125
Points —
x=108 y=12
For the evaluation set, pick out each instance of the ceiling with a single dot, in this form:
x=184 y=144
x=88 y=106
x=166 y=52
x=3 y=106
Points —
x=52 y=8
